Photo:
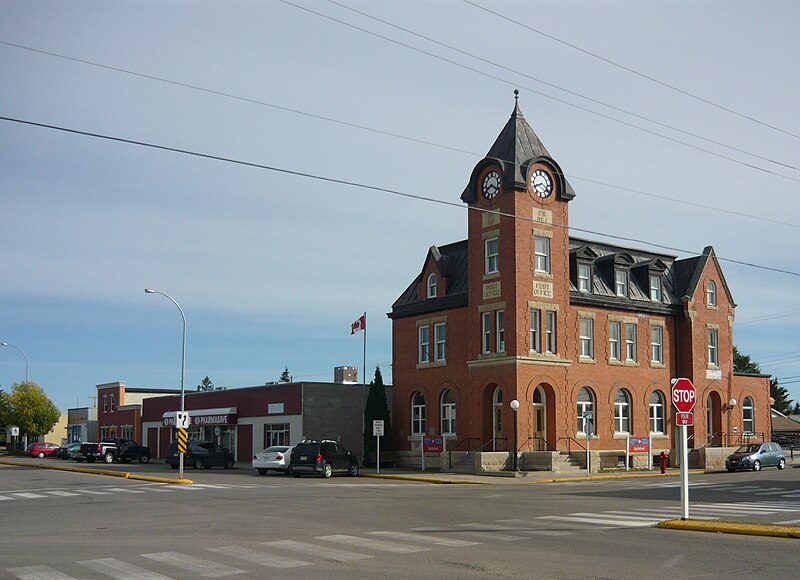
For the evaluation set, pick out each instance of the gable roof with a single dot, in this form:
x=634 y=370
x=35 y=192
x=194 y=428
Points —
x=693 y=268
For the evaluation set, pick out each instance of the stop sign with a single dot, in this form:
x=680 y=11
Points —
x=683 y=395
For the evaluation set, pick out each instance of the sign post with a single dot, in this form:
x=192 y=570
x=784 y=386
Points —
x=377 y=431
x=684 y=397
x=637 y=445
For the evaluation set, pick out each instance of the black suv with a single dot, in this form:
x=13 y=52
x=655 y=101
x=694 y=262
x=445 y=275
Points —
x=324 y=457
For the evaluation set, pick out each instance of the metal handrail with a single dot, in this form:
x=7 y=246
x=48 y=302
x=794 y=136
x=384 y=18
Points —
x=454 y=447
x=569 y=443
x=548 y=446
x=492 y=440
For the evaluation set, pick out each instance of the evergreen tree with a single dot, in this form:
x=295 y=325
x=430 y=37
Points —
x=285 y=376
x=796 y=409
x=205 y=385
x=376 y=408
x=743 y=364
x=782 y=404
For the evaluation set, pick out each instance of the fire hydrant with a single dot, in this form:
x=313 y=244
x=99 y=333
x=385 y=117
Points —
x=663 y=461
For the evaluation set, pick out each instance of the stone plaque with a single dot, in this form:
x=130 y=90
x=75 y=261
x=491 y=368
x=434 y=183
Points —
x=543 y=216
x=542 y=289
x=491 y=290
x=490 y=219
x=713 y=373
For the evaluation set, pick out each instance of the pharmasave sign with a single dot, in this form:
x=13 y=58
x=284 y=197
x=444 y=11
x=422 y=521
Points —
x=204 y=417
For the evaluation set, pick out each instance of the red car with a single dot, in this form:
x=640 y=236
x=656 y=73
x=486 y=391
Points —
x=42 y=449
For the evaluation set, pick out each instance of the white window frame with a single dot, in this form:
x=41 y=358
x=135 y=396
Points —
x=424 y=350
x=417 y=414
x=656 y=412
x=657 y=344
x=486 y=332
x=501 y=330
x=621 y=283
x=613 y=340
x=105 y=403
x=630 y=342
x=492 y=253
x=542 y=254
x=713 y=347
x=126 y=432
x=586 y=338
x=448 y=405
x=584 y=278
x=111 y=405
x=655 y=288
x=748 y=416
x=440 y=338
x=535 y=330
x=585 y=407
x=622 y=412
x=711 y=293
x=432 y=285
x=550 y=332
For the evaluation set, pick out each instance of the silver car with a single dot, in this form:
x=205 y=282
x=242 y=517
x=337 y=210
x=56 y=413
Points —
x=755 y=456
x=276 y=458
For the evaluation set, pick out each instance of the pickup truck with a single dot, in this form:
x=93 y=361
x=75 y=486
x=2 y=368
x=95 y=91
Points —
x=112 y=449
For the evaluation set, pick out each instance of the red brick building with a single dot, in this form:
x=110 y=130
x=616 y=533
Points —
x=569 y=327
x=119 y=409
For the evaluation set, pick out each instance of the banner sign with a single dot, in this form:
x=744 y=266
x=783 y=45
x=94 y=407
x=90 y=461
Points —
x=434 y=444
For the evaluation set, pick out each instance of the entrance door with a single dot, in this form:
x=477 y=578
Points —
x=497 y=420
x=539 y=427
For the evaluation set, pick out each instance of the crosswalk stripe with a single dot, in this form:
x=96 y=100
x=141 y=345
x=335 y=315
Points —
x=210 y=486
x=370 y=544
x=324 y=552
x=425 y=538
x=628 y=516
x=124 y=490
x=259 y=557
x=746 y=489
x=789 y=522
x=62 y=493
x=94 y=492
x=602 y=521
x=28 y=495
x=121 y=570
x=477 y=535
x=38 y=573
x=782 y=491
x=491 y=531
x=3 y=498
x=194 y=565
x=519 y=522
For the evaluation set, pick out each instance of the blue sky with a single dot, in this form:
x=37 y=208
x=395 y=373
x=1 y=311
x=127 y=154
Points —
x=272 y=268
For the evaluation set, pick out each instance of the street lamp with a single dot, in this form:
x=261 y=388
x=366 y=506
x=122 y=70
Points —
x=514 y=406
x=183 y=357
x=27 y=363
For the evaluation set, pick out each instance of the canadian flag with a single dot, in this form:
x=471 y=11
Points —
x=360 y=324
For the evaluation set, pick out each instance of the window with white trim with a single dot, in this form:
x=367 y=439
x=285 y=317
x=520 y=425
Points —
x=656 y=412
x=713 y=358
x=630 y=342
x=586 y=337
x=621 y=283
x=501 y=331
x=585 y=406
x=492 y=256
x=657 y=344
x=711 y=293
x=542 y=252
x=448 y=413
x=748 y=424
x=550 y=332
x=418 y=414
x=126 y=431
x=424 y=344
x=613 y=340
x=655 y=288
x=276 y=434
x=622 y=412
x=584 y=278
x=440 y=336
x=432 y=286
x=535 y=330
x=486 y=332
x=105 y=403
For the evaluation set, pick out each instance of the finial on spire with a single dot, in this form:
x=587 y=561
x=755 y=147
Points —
x=516 y=94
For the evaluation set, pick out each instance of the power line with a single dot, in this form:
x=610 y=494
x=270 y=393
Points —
x=544 y=95
x=559 y=88
x=632 y=71
x=670 y=199
x=379 y=189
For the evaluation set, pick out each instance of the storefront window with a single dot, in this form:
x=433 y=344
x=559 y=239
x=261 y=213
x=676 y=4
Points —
x=276 y=434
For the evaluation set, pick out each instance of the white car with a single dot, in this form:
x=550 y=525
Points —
x=276 y=458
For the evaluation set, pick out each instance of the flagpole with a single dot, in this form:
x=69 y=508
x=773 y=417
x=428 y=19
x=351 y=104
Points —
x=364 y=390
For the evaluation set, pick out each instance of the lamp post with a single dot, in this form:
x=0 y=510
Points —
x=514 y=406
x=27 y=363
x=183 y=358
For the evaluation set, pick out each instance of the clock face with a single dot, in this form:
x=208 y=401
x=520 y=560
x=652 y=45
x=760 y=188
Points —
x=541 y=183
x=491 y=185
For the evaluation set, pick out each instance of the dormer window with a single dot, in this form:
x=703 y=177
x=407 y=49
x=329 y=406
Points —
x=711 y=293
x=584 y=278
x=655 y=288
x=432 y=286
x=621 y=283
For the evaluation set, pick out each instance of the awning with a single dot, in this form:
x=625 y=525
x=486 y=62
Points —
x=202 y=417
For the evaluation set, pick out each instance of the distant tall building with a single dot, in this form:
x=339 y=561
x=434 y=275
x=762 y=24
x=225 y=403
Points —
x=345 y=375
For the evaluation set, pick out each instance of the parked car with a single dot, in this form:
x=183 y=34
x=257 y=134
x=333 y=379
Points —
x=276 y=458
x=112 y=449
x=42 y=449
x=67 y=451
x=324 y=457
x=201 y=454
x=755 y=456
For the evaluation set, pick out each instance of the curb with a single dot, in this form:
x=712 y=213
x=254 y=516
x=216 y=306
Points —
x=107 y=472
x=768 y=530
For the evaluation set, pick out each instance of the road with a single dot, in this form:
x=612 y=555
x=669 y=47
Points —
x=235 y=523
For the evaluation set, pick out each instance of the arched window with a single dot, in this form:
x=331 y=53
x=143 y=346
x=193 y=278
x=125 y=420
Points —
x=497 y=399
x=711 y=293
x=432 y=286
x=656 y=412
x=622 y=412
x=585 y=407
x=748 y=415
x=418 y=414
x=448 y=413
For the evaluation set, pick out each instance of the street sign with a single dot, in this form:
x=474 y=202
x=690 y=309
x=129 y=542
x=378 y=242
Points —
x=684 y=395
x=181 y=440
x=684 y=419
x=182 y=420
x=638 y=444
x=377 y=428
x=15 y=431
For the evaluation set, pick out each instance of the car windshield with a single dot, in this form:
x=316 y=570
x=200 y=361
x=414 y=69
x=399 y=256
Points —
x=751 y=448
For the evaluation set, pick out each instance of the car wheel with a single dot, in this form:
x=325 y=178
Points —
x=782 y=464
x=327 y=470
x=262 y=471
x=108 y=458
x=41 y=455
x=353 y=471
x=756 y=465
x=144 y=459
x=229 y=464
x=198 y=464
